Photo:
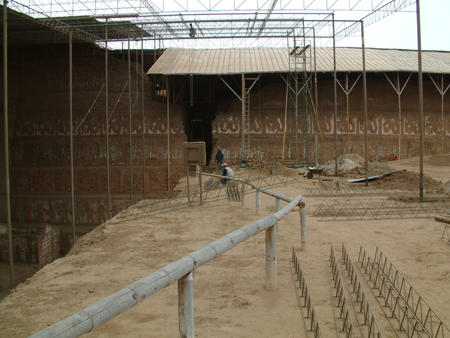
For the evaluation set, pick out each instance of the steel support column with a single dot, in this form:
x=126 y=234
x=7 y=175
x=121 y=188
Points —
x=6 y=133
x=419 y=52
x=143 y=113
x=72 y=176
x=335 y=103
x=108 y=191
x=366 y=137
x=316 y=98
x=168 y=132
x=130 y=124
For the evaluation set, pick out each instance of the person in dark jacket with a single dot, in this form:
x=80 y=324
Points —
x=219 y=160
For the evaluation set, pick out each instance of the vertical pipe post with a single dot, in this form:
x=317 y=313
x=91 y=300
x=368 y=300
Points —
x=258 y=202
x=303 y=224
x=442 y=116
x=335 y=103
x=130 y=124
x=243 y=116
x=242 y=192
x=200 y=183
x=5 y=107
x=366 y=124
x=143 y=113
x=187 y=183
x=347 y=102
x=419 y=52
x=271 y=253
x=108 y=188
x=72 y=176
x=285 y=118
x=316 y=146
x=400 y=128
x=186 y=306
x=168 y=133
x=316 y=95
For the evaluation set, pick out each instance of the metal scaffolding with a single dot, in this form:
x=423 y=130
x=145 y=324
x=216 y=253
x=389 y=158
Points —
x=209 y=24
x=301 y=132
x=220 y=23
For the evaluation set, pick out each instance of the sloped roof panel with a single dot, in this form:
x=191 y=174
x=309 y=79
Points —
x=275 y=60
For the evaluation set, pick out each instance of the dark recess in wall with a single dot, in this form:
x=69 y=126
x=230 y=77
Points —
x=199 y=124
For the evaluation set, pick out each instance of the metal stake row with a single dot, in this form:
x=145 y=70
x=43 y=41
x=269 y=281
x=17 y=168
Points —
x=310 y=320
x=416 y=305
x=344 y=323
x=368 y=324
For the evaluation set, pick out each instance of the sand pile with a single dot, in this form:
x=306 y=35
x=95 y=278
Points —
x=408 y=180
x=354 y=165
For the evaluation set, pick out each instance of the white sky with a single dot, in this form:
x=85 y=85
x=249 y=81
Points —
x=400 y=29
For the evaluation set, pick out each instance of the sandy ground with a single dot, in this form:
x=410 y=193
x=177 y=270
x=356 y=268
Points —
x=230 y=295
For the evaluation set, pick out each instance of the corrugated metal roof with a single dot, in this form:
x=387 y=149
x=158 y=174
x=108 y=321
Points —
x=176 y=61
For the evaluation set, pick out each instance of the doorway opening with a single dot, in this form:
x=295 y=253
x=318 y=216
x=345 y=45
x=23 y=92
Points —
x=199 y=124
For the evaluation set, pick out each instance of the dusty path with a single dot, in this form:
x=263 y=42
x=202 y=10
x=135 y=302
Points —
x=230 y=298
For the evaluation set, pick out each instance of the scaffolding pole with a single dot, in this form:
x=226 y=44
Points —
x=5 y=107
x=72 y=176
x=108 y=192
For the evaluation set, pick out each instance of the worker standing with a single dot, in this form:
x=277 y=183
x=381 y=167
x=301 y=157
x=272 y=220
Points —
x=219 y=160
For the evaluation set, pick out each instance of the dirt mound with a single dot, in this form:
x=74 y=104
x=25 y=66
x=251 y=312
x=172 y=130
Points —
x=439 y=160
x=353 y=164
x=407 y=180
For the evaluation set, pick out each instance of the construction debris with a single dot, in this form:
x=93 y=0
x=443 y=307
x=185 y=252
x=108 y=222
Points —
x=354 y=165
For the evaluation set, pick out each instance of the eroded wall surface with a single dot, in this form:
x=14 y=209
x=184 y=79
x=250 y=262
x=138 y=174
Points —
x=393 y=127
x=39 y=136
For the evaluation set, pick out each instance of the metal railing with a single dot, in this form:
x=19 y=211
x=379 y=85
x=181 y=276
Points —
x=175 y=200
x=181 y=270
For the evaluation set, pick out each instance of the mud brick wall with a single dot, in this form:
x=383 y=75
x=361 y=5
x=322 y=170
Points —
x=268 y=112
x=39 y=136
x=33 y=245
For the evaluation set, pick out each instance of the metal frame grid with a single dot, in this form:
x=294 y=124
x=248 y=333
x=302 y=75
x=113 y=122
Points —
x=412 y=314
x=360 y=191
x=383 y=209
x=165 y=202
x=309 y=315
x=213 y=23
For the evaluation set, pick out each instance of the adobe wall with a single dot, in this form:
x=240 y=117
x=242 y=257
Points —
x=40 y=144
x=268 y=113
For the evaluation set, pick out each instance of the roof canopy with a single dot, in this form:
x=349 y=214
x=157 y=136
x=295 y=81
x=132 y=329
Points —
x=276 y=60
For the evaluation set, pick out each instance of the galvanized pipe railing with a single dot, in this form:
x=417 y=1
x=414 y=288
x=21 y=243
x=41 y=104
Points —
x=181 y=270
x=273 y=194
